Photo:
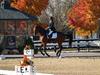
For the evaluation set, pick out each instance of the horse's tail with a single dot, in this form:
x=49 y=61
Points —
x=70 y=37
x=70 y=40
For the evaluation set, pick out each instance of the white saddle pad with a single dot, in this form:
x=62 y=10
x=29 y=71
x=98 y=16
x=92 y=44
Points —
x=54 y=35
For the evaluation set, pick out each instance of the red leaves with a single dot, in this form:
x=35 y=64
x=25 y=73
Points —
x=32 y=7
x=95 y=7
x=82 y=17
x=19 y=4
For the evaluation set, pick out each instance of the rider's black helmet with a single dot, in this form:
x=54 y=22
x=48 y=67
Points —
x=51 y=17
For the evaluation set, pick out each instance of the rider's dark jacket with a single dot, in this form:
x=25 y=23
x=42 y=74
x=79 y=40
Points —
x=51 y=25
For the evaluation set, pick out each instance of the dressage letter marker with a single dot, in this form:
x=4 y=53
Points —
x=24 y=70
x=29 y=53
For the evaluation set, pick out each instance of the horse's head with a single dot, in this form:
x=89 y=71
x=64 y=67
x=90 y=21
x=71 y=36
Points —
x=39 y=28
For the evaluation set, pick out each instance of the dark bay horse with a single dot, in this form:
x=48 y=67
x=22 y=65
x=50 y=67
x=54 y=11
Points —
x=44 y=39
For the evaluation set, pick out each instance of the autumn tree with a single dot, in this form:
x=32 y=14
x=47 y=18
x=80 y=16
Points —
x=32 y=7
x=83 y=16
x=57 y=9
x=95 y=7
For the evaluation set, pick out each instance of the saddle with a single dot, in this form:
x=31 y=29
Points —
x=52 y=35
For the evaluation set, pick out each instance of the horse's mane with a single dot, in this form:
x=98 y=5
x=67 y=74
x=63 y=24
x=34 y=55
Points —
x=43 y=25
x=41 y=29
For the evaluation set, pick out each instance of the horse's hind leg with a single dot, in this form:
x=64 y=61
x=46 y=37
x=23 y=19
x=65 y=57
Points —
x=55 y=48
x=59 y=51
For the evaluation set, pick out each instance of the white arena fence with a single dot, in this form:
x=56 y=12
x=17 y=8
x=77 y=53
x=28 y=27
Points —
x=67 y=54
x=77 y=43
x=7 y=72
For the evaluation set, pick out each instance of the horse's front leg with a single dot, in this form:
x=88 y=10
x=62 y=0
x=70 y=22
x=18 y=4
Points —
x=59 y=51
x=44 y=45
x=41 y=49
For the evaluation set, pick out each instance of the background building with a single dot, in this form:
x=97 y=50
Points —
x=15 y=26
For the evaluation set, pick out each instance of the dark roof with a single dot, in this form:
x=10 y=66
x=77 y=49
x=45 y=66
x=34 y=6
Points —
x=13 y=14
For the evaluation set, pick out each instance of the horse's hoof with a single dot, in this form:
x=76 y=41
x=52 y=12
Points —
x=43 y=54
x=60 y=57
x=48 y=55
x=57 y=55
x=55 y=51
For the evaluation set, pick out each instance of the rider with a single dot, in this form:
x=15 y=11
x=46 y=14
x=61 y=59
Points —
x=51 y=27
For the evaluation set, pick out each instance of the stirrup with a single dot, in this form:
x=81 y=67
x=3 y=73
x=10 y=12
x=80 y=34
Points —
x=48 y=36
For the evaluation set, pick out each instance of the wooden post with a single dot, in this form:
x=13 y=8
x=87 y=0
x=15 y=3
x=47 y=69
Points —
x=78 y=45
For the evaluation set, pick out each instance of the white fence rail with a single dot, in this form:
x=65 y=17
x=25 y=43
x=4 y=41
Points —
x=7 y=72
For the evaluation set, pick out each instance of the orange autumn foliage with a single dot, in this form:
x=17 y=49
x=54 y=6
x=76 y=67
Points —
x=95 y=8
x=82 y=17
x=32 y=7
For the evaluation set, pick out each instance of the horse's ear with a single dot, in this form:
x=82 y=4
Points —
x=34 y=25
x=32 y=28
